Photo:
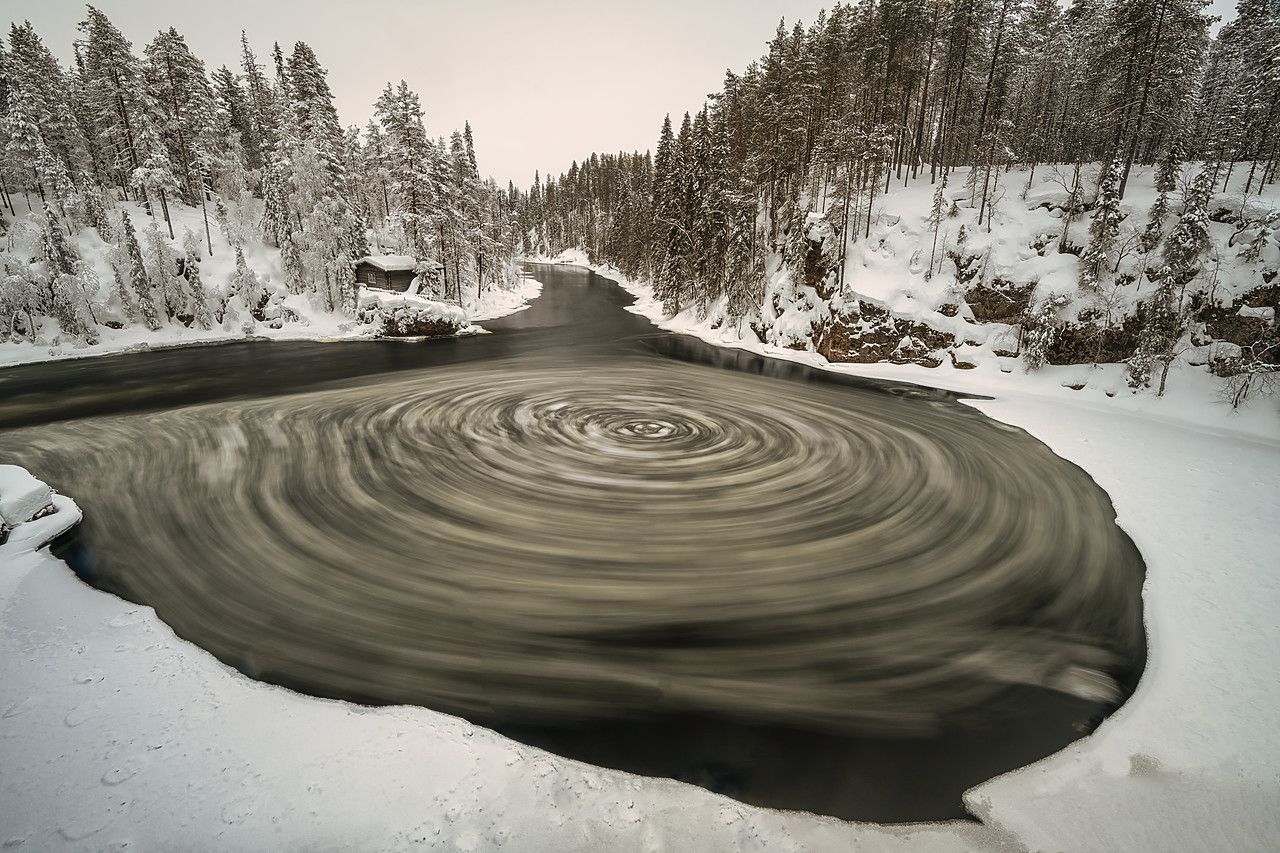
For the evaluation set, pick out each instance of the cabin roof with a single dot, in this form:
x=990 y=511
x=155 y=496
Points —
x=391 y=263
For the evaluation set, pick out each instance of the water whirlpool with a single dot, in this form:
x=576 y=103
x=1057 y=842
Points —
x=529 y=541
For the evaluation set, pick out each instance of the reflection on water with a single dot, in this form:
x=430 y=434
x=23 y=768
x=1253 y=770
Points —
x=661 y=565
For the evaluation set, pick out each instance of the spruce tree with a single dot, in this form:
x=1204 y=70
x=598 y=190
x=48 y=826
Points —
x=201 y=315
x=137 y=274
x=1097 y=259
x=113 y=86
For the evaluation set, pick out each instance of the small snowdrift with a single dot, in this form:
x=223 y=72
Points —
x=31 y=514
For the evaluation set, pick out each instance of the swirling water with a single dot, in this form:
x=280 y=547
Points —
x=807 y=594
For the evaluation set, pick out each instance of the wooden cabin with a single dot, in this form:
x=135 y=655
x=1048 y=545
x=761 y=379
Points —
x=386 y=272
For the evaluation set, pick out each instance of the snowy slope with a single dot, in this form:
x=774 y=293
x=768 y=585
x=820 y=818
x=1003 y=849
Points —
x=928 y=282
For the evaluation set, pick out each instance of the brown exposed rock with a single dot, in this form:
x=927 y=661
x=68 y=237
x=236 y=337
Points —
x=418 y=327
x=1003 y=302
x=873 y=334
x=1087 y=343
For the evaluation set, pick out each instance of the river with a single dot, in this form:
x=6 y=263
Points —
x=804 y=591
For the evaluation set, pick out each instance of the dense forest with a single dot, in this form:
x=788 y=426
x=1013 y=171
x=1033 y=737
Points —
x=258 y=149
x=881 y=94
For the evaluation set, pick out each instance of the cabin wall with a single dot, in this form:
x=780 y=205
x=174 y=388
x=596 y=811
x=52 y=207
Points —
x=367 y=275
x=399 y=280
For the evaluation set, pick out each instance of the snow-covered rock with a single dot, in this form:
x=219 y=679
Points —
x=31 y=513
x=22 y=496
x=404 y=315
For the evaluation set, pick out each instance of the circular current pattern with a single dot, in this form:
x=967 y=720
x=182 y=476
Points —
x=548 y=541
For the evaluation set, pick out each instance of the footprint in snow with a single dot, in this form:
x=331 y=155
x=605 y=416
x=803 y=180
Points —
x=123 y=773
x=21 y=706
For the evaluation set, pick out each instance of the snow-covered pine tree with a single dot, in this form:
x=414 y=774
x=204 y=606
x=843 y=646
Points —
x=406 y=159
x=1166 y=182
x=177 y=86
x=665 y=211
x=1190 y=239
x=65 y=297
x=111 y=78
x=122 y=296
x=161 y=263
x=1166 y=312
x=244 y=284
x=199 y=304
x=40 y=134
x=937 y=212
x=137 y=274
x=264 y=110
x=1040 y=330
x=1097 y=259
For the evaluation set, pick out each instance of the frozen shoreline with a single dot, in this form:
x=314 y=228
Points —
x=109 y=724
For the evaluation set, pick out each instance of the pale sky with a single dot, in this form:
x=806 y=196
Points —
x=542 y=83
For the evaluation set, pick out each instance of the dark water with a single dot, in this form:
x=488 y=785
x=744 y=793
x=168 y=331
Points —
x=632 y=548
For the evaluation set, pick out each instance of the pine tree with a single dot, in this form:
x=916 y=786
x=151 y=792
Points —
x=1097 y=259
x=161 y=264
x=1190 y=238
x=408 y=161
x=177 y=85
x=263 y=109
x=137 y=274
x=1166 y=182
x=191 y=270
x=244 y=284
x=40 y=132
x=65 y=296
x=113 y=86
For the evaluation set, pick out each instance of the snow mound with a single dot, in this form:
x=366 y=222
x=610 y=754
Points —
x=402 y=315
x=31 y=514
x=22 y=496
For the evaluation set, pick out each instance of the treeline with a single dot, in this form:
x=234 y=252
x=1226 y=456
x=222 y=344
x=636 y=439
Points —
x=902 y=90
x=259 y=149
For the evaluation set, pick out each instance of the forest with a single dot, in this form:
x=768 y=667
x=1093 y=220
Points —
x=783 y=168
x=259 y=150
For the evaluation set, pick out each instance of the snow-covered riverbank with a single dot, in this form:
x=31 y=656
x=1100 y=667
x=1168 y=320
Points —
x=114 y=733
x=307 y=319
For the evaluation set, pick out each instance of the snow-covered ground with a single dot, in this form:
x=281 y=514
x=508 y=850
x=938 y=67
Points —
x=312 y=321
x=115 y=734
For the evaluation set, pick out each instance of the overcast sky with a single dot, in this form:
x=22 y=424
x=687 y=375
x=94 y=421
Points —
x=542 y=83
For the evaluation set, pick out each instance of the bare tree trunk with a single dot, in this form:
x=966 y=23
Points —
x=1142 y=108
x=1071 y=204
x=164 y=205
x=8 y=199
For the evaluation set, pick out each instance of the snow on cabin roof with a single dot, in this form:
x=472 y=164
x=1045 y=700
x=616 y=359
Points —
x=389 y=263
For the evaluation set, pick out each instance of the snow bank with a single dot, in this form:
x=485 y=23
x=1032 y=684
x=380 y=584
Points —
x=21 y=495
x=500 y=303
x=31 y=515
x=404 y=315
